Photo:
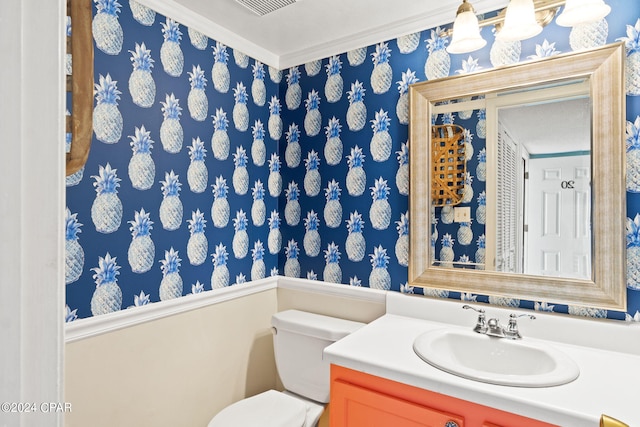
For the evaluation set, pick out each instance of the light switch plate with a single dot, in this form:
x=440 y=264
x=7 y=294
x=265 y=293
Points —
x=462 y=214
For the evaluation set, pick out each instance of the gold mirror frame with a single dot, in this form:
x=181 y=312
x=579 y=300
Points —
x=604 y=67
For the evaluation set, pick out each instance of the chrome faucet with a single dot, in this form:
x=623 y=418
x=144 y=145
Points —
x=493 y=328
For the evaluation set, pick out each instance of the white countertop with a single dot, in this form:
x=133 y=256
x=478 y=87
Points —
x=607 y=384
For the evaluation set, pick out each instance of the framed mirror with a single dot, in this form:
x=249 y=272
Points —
x=583 y=94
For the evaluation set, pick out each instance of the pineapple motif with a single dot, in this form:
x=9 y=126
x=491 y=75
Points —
x=220 y=139
x=481 y=252
x=106 y=210
x=258 y=208
x=293 y=153
x=504 y=52
x=292 y=265
x=311 y=275
x=357 y=56
x=379 y=277
x=313 y=68
x=171 y=206
x=446 y=214
x=334 y=84
x=408 y=43
x=402 y=175
x=275 y=122
x=220 y=275
x=240 y=238
x=220 y=207
x=633 y=155
x=171 y=284
x=142 y=14
x=311 y=242
x=258 y=88
x=171 y=55
x=106 y=28
x=503 y=301
x=380 y=211
x=274 y=239
x=197 y=100
x=381 y=141
x=274 y=271
x=355 y=244
x=107 y=119
x=293 y=95
x=587 y=312
x=333 y=208
x=312 y=176
x=438 y=62
x=632 y=64
x=197 y=173
x=197 y=288
x=258 y=148
x=241 y=59
x=220 y=72
x=333 y=146
x=402 y=244
x=356 y=176
x=357 y=111
x=240 y=177
x=142 y=250
x=107 y=297
x=73 y=252
x=197 y=39
x=481 y=125
x=68 y=57
x=275 y=179
x=465 y=235
x=544 y=50
x=633 y=252
x=382 y=74
x=258 y=269
x=197 y=246
x=354 y=281
x=481 y=168
x=481 y=211
x=406 y=289
x=446 y=251
x=402 y=106
x=292 y=207
x=171 y=133
x=142 y=169
x=332 y=272
x=70 y=315
x=275 y=75
x=590 y=35
x=240 y=110
x=469 y=65
x=142 y=87
x=240 y=279
x=543 y=306
x=468 y=144
x=313 y=118
x=467 y=195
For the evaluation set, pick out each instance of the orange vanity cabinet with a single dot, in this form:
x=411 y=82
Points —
x=363 y=400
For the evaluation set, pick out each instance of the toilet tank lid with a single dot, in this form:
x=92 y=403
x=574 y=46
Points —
x=314 y=325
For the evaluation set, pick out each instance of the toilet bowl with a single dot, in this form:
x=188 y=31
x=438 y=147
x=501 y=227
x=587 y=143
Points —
x=299 y=339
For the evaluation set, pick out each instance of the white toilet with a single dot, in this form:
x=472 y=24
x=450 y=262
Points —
x=298 y=340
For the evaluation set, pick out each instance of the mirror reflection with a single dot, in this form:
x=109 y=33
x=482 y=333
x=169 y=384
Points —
x=522 y=199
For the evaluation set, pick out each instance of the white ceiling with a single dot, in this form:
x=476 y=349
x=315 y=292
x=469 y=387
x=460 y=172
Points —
x=311 y=29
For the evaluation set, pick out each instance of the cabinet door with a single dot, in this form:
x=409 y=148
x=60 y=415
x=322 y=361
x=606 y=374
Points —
x=354 y=406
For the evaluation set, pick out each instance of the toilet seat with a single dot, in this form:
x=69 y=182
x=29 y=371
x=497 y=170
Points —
x=268 y=409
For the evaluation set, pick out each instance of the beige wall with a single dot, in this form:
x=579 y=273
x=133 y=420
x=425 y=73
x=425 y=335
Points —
x=176 y=371
x=182 y=369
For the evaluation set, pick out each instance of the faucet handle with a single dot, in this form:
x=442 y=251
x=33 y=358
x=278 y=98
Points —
x=512 y=328
x=481 y=325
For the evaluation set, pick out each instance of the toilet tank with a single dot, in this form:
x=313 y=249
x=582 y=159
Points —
x=298 y=341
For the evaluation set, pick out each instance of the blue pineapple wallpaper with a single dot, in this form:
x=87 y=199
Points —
x=208 y=169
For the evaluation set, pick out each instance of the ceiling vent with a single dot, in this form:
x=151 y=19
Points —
x=262 y=7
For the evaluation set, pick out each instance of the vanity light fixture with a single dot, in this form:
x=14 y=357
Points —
x=521 y=20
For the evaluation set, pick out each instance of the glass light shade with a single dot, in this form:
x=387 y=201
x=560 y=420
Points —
x=466 y=34
x=520 y=22
x=577 y=12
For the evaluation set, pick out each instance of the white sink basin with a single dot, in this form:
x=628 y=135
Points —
x=495 y=360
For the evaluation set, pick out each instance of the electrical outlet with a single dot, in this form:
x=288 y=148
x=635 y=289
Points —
x=462 y=214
